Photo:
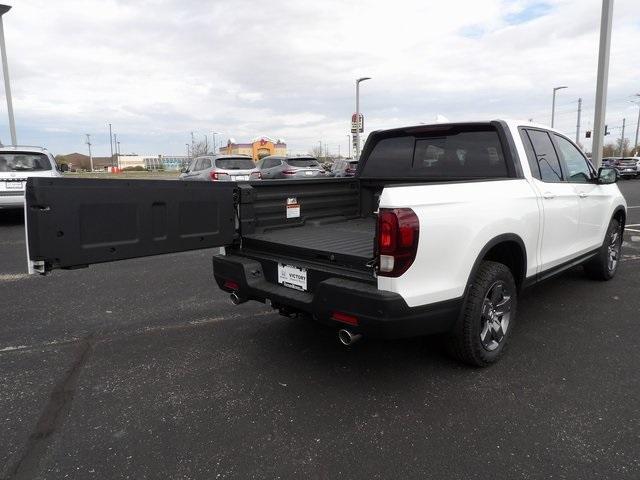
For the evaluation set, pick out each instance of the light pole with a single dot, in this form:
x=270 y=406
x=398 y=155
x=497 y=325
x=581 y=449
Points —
x=111 y=144
x=553 y=104
x=5 y=70
x=90 y=156
x=348 y=145
x=361 y=79
x=214 y=141
x=188 y=153
x=637 y=124
x=602 y=80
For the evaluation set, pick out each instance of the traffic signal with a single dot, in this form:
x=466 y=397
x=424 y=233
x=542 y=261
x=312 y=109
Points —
x=588 y=134
x=606 y=129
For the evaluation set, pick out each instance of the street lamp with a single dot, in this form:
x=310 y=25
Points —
x=553 y=104
x=638 y=123
x=361 y=79
x=348 y=145
x=5 y=70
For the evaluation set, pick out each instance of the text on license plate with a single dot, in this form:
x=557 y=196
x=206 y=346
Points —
x=14 y=185
x=241 y=177
x=292 y=277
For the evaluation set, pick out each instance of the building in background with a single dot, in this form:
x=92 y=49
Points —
x=153 y=162
x=258 y=148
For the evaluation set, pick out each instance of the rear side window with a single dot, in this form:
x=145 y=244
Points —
x=24 y=162
x=546 y=156
x=235 y=163
x=439 y=155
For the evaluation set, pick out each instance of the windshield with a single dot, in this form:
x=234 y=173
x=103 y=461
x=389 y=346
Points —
x=235 y=163
x=303 y=162
x=23 y=162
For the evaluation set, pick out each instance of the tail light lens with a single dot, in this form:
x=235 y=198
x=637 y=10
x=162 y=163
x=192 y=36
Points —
x=289 y=172
x=256 y=176
x=398 y=231
x=215 y=176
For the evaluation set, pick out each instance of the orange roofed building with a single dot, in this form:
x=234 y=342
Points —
x=258 y=148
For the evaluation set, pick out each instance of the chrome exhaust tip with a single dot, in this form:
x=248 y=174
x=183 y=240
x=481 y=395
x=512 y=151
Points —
x=347 y=337
x=236 y=300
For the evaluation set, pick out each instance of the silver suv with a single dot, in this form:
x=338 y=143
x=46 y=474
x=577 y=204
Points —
x=221 y=168
x=290 y=167
x=17 y=163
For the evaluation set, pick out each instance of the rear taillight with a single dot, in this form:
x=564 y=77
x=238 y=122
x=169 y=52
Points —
x=215 y=176
x=289 y=172
x=398 y=230
x=256 y=176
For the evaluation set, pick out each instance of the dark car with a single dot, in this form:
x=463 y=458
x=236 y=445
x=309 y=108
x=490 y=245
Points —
x=289 y=167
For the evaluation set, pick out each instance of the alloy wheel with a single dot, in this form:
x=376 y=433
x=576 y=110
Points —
x=495 y=315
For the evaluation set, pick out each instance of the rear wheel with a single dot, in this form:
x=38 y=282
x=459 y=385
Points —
x=605 y=264
x=487 y=318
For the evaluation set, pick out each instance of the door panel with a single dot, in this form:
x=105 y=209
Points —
x=78 y=222
x=594 y=203
x=560 y=223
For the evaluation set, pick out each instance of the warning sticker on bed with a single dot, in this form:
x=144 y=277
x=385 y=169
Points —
x=293 y=211
x=293 y=207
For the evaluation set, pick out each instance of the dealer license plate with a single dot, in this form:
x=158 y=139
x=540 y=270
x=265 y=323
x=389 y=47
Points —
x=308 y=173
x=241 y=177
x=14 y=185
x=292 y=277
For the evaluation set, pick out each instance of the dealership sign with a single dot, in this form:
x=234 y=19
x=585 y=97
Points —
x=353 y=123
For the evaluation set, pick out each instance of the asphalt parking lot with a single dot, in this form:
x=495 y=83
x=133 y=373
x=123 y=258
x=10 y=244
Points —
x=143 y=369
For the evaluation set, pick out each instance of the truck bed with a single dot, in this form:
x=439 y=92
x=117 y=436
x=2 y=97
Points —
x=347 y=242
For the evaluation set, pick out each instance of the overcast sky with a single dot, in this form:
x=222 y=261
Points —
x=158 y=70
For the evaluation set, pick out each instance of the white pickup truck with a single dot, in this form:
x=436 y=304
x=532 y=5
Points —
x=438 y=232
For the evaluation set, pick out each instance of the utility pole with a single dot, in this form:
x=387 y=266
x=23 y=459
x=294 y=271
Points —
x=214 y=141
x=624 y=121
x=349 y=147
x=606 y=21
x=192 y=141
x=90 y=156
x=361 y=79
x=578 y=125
x=118 y=148
x=5 y=70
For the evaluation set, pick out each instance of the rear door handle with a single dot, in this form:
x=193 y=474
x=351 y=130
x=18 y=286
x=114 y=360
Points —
x=548 y=195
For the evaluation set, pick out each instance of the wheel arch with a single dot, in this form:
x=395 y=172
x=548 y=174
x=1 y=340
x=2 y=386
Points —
x=620 y=213
x=508 y=249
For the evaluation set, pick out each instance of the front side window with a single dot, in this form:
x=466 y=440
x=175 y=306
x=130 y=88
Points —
x=24 y=162
x=576 y=165
x=546 y=156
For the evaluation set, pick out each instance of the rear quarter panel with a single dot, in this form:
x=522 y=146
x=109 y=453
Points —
x=457 y=220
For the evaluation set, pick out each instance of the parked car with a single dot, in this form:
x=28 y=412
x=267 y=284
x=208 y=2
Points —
x=17 y=164
x=273 y=167
x=627 y=167
x=221 y=168
x=609 y=161
x=633 y=159
x=344 y=168
x=439 y=232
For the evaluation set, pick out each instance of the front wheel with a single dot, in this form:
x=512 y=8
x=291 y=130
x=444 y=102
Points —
x=487 y=318
x=605 y=264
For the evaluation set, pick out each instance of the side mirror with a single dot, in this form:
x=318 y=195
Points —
x=607 y=175
x=64 y=167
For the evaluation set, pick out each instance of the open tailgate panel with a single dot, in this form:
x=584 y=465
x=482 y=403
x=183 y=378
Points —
x=77 y=222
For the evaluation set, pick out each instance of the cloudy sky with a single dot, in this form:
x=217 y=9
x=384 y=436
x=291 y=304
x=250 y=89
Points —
x=159 y=69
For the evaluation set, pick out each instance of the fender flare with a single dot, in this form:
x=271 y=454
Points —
x=620 y=208
x=505 y=237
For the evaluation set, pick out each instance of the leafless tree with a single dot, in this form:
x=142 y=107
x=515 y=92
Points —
x=201 y=147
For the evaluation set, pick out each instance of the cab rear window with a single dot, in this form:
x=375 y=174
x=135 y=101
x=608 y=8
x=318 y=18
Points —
x=439 y=154
x=24 y=162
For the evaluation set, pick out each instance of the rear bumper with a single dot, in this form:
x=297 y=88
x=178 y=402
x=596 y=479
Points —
x=379 y=313
x=13 y=200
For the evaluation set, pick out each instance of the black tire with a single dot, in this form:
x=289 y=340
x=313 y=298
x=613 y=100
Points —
x=466 y=342
x=605 y=264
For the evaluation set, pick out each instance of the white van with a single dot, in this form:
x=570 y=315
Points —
x=17 y=163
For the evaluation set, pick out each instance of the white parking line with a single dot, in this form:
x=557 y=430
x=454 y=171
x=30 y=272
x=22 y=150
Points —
x=631 y=230
x=633 y=225
x=637 y=206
